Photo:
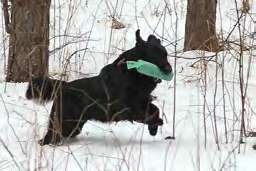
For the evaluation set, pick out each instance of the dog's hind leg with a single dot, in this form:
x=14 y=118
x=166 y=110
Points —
x=53 y=135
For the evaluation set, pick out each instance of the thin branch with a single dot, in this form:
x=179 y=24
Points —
x=6 y=16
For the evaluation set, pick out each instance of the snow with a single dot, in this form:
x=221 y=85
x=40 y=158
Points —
x=125 y=146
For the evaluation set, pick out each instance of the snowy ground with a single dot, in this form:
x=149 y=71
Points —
x=125 y=146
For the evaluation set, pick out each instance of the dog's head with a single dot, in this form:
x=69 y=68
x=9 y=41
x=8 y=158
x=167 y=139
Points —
x=152 y=51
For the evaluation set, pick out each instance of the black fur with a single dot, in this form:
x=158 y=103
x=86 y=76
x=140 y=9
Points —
x=43 y=88
x=116 y=94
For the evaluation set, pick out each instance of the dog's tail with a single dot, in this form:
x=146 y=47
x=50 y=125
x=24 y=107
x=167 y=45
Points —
x=43 y=89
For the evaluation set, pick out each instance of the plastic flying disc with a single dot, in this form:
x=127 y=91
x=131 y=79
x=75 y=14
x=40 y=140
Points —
x=149 y=69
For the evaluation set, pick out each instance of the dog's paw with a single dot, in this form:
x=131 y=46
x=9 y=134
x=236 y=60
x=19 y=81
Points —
x=152 y=129
x=46 y=141
x=160 y=122
x=254 y=146
x=59 y=143
x=42 y=142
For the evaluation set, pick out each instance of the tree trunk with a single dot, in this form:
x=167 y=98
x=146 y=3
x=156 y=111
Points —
x=29 y=39
x=200 y=26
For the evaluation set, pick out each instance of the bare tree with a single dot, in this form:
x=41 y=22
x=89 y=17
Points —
x=29 y=38
x=200 y=26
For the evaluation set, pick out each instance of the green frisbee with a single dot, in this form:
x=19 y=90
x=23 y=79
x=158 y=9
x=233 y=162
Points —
x=149 y=69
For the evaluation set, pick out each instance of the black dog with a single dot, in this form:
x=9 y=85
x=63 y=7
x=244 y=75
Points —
x=116 y=94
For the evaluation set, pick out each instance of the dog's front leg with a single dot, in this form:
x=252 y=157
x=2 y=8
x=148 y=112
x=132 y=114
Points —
x=153 y=119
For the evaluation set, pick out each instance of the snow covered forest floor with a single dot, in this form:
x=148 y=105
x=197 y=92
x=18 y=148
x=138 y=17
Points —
x=82 y=42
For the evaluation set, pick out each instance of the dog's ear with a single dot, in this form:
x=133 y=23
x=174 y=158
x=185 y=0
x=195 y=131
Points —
x=137 y=34
x=152 y=38
x=139 y=40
